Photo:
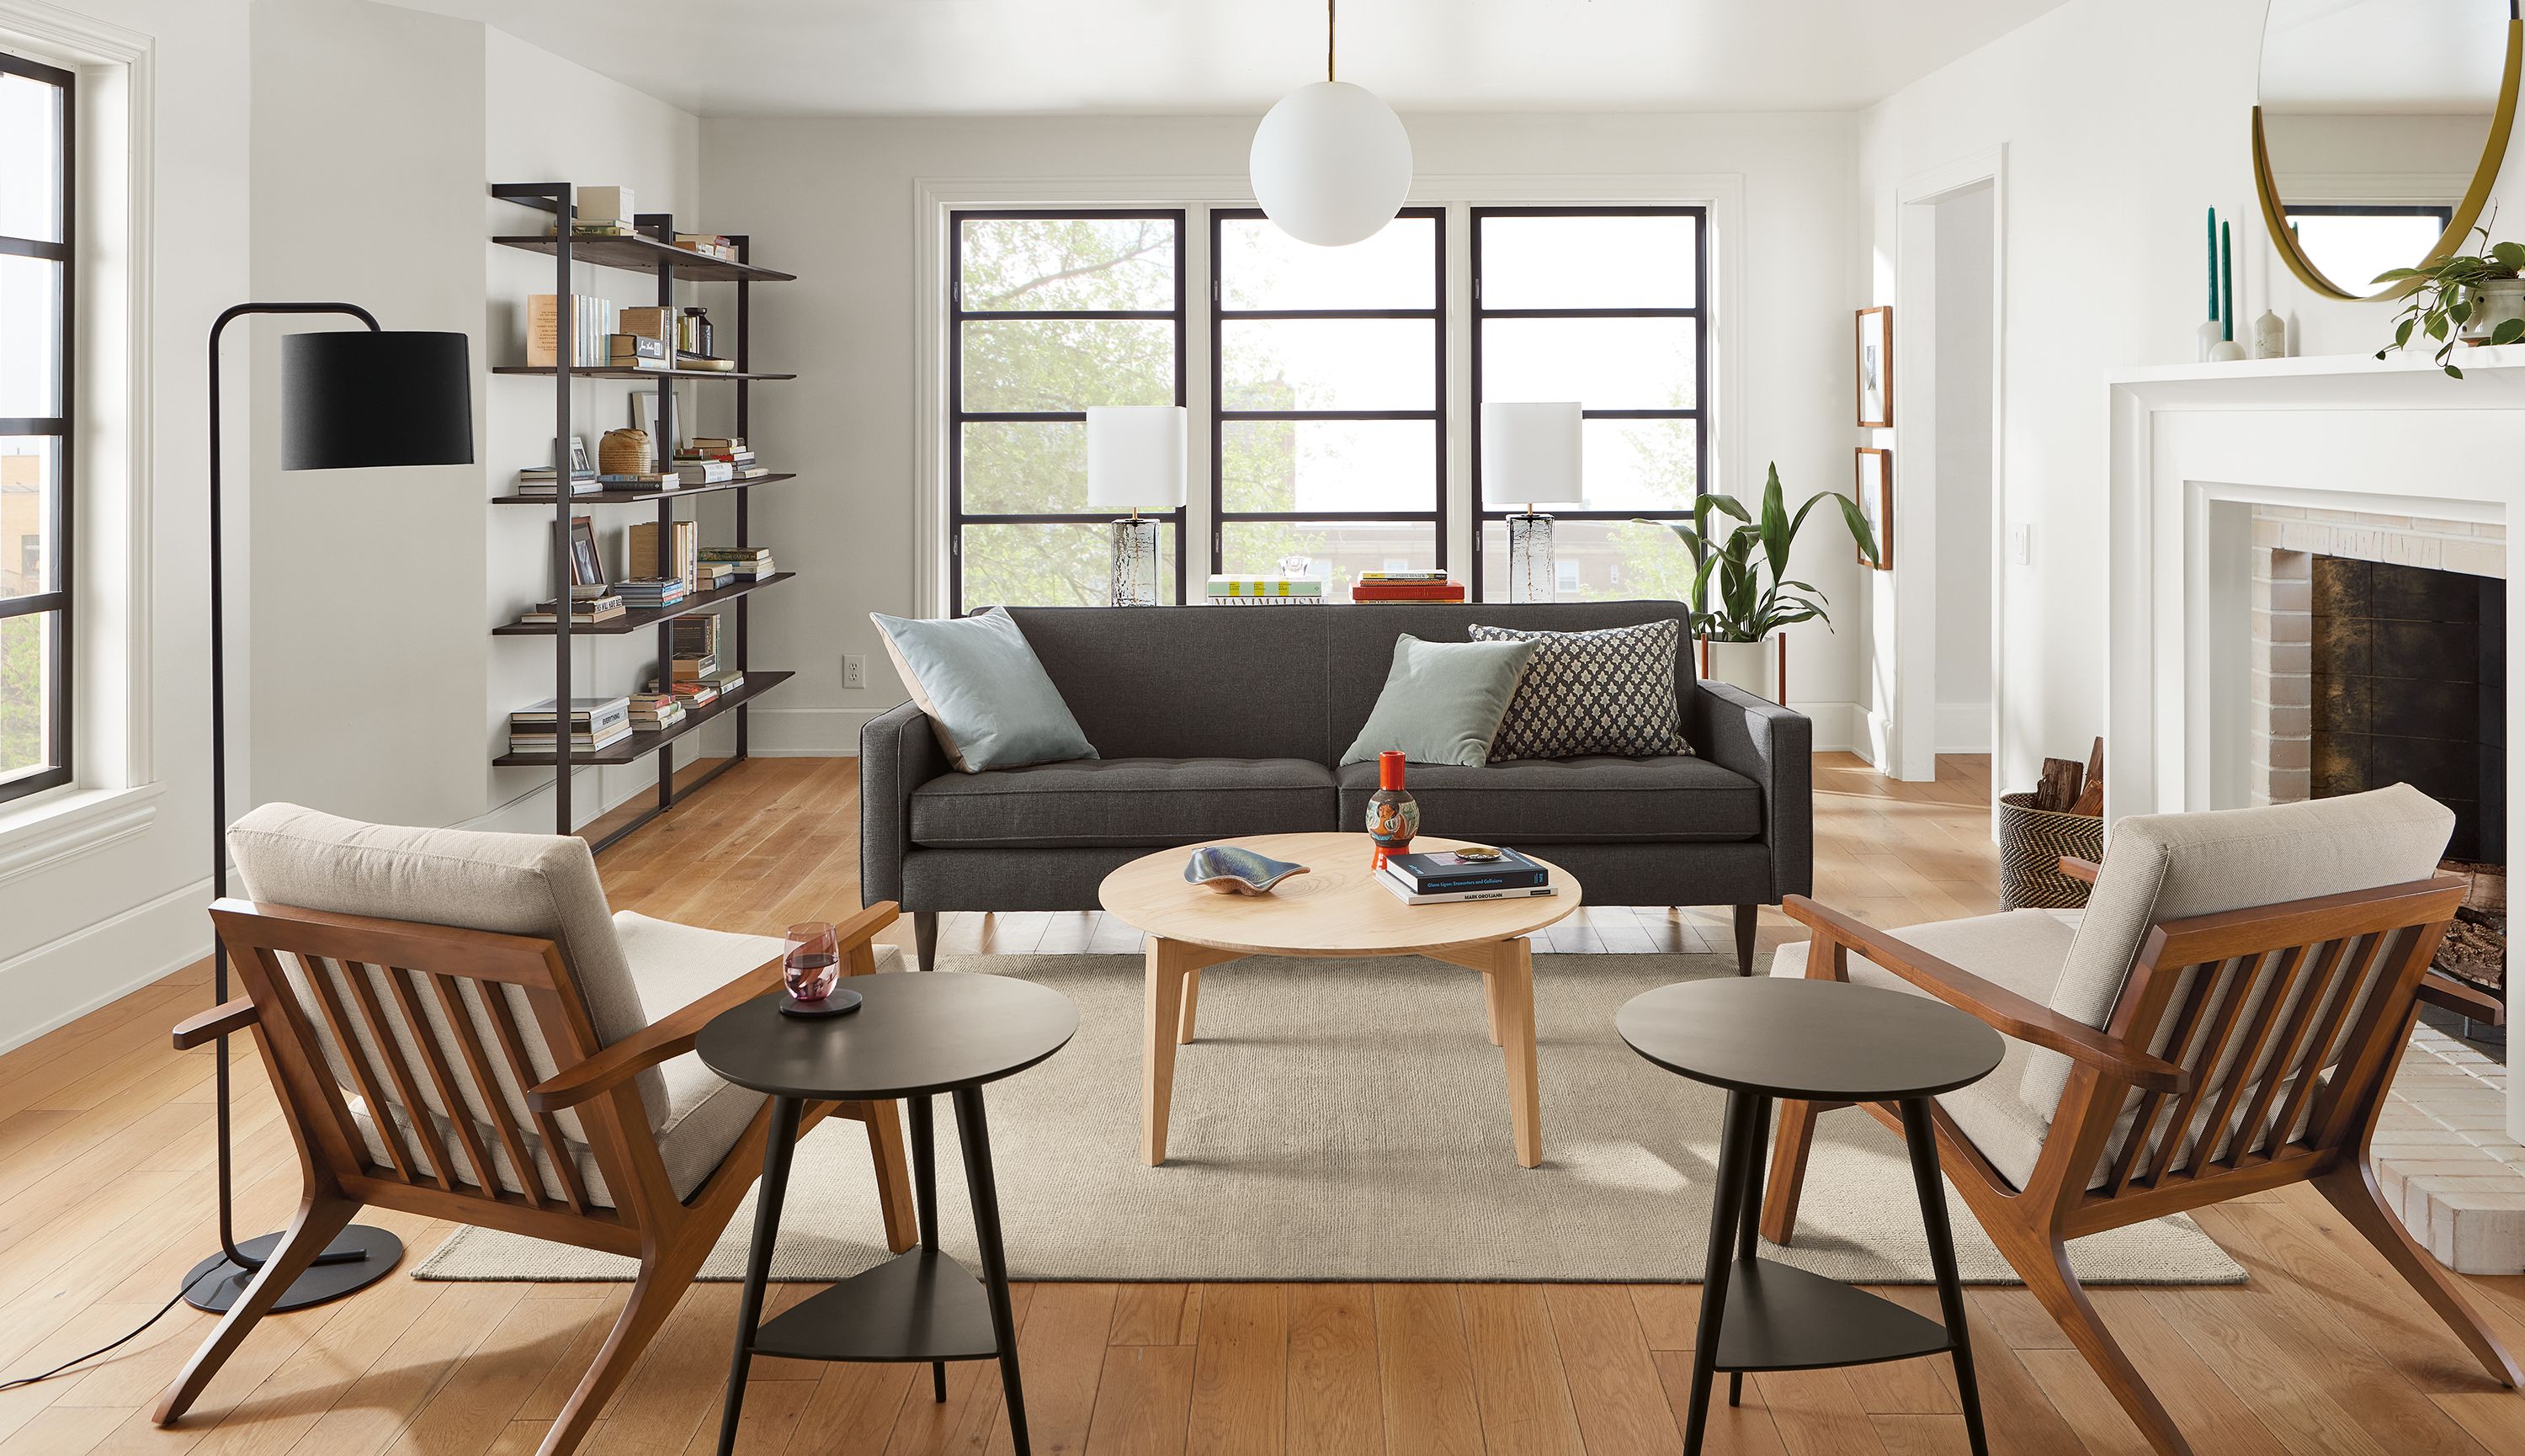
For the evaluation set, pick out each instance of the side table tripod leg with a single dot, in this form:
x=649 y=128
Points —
x=1726 y=1207
x=924 y=1193
x=1921 y=1134
x=975 y=1128
x=767 y=1196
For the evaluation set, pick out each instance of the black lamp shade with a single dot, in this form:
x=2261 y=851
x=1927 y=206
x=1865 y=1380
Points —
x=357 y=400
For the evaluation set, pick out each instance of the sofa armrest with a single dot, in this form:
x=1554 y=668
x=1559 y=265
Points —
x=1775 y=748
x=898 y=753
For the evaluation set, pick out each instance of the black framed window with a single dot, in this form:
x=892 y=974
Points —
x=1051 y=312
x=1608 y=306
x=37 y=287
x=1329 y=397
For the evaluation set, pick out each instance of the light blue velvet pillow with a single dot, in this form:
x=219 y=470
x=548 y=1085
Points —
x=987 y=696
x=1443 y=701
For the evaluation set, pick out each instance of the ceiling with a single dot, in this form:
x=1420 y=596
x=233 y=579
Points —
x=931 y=56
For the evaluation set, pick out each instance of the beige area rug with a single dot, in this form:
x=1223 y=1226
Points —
x=1348 y=1120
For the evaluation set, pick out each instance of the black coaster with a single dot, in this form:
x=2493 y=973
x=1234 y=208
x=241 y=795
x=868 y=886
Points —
x=842 y=1002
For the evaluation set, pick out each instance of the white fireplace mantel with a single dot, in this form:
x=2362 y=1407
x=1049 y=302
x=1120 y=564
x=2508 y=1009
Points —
x=2194 y=450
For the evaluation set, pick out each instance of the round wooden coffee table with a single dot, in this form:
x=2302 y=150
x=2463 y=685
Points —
x=1336 y=909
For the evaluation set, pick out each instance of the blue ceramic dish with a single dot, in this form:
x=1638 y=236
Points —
x=1232 y=870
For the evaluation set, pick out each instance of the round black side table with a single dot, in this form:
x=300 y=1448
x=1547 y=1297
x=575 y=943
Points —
x=914 y=1036
x=1811 y=1041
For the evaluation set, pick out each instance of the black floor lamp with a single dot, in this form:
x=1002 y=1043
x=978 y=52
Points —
x=348 y=401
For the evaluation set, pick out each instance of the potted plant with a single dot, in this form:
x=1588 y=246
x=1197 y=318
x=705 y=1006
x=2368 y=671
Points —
x=1741 y=594
x=2466 y=298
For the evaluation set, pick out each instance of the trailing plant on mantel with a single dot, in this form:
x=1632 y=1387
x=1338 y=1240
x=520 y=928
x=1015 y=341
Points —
x=2445 y=295
x=1745 y=607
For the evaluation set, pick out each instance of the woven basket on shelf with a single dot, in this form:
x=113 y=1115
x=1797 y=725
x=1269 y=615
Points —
x=623 y=452
x=2031 y=843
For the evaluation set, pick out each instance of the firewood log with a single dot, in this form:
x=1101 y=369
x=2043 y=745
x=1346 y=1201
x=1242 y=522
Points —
x=2062 y=780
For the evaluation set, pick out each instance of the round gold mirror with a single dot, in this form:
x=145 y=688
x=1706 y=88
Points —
x=2378 y=129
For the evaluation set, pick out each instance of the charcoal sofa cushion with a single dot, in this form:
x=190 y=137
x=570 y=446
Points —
x=1442 y=701
x=1593 y=800
x=1122 y=802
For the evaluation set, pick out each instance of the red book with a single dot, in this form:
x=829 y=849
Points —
x=1408 y=591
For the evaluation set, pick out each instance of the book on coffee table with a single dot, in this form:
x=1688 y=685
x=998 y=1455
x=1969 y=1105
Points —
x=1447 y=871
x=1402 y=891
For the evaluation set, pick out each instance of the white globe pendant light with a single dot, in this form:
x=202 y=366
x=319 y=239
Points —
x=1331 y=163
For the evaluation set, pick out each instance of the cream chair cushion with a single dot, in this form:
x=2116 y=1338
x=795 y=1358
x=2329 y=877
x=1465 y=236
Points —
x=2022 y=950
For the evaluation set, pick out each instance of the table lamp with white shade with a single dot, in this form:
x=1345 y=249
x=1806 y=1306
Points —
x=1531 y=455
x=1136 y=461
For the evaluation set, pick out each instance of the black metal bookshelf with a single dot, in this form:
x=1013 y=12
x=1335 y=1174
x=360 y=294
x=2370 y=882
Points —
x=653 y=252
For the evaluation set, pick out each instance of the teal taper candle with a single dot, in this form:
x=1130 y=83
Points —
x=2227 y=279
x=2213 y=265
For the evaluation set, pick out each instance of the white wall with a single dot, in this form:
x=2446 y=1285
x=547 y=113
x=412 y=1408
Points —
x=833 y=200
x=2121 y=120
x=78 y=932
x=1966 y=271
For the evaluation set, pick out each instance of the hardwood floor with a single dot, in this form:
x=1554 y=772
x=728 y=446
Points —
x=105 y=1201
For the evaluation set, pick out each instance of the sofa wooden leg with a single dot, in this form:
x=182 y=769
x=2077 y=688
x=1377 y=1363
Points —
x=924 y=938
x=1744 y=918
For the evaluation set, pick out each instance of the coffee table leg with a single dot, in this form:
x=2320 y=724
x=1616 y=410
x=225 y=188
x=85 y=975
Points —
x=1726 y=1208
x=1512 y=974
x=1922 y=1137
x=974 y=1129
x=924 y=1193
x=1490 y=1003
x=767 y=1195
x=1191 y=1003
x=1168 y=961
x=1749 y=1212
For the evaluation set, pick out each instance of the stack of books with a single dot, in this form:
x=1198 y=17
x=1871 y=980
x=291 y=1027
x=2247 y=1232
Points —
x=595 y=724
x=713 y=574
x=703 y=472
x=691 y=693
x=1448 y=878
x=654 y=712
x=724 y=450
x=591 y=324
x=694 y=640
x=706 y=361
x=1407 y=587
x=641 y=546
x=1266 y=592
x=538 y=481
x=583 y=612
x=640 y=481
x=647 y=593
x=635 y=351
x=748 y=563
x=707 y=244
x=603 y=212
x=726 y=682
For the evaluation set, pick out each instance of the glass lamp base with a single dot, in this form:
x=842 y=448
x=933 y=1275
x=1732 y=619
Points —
x=1135 y=562
x=1533 y=571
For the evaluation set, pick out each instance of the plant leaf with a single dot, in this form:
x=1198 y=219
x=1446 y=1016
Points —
x=2508 y=331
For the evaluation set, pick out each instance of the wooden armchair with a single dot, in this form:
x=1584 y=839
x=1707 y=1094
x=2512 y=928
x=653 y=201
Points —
x=467 y=1074
x=2239 y=1047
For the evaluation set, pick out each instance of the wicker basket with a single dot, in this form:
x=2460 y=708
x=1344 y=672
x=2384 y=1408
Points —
x=2031 y=843
x=623 y=452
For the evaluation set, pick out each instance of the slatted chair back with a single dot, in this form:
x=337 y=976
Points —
x=364 y=1019
x=2286 y=1018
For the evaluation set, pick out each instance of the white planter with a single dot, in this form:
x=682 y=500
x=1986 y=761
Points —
x=1751 y=666
x=2494 y=304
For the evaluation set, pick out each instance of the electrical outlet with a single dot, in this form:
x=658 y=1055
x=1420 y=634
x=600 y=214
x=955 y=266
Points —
x=854 y=670
x=2020 y=545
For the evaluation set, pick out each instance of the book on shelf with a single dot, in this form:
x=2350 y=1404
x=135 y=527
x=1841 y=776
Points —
x=692 y=692
x=730 y=457
x=1406 y=592
x=634 y=351
x=579 y=743
x=653 y=711
x=726 y=682
x=1445 y=872
x=716 y=443
x=713 y=574
x=589 y=591
x=737 y=554
x=1433 y=573
x=543 y=485
x=692 y=669
x=707 y=244
x=603 y=207
x=649 y=321
x=694 y=637
x=1228 y=585
x=1402 y=891
x=582 y=613
x=640 y=481
x=594 y=714
x=705 y=472
x=684 y=543
x=590 y=320
x=651 y=593
x=705 y=362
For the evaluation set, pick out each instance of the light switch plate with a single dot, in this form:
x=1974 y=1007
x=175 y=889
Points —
x=2020 y=545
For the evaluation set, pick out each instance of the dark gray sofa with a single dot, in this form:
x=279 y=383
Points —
x=1215 y=722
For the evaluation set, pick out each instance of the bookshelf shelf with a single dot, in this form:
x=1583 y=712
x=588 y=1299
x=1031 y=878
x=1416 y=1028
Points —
x=633 y=620
x=636 y=497
x=546 y=370
x=645 y=255
x=755 y=686
x=652 y=253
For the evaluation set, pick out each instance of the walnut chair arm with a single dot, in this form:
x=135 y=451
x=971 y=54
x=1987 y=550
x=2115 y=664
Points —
x=2078 y=868
x=224 y=1020
x=2447 y=993
x=671 y=1035
x=1994 y=1005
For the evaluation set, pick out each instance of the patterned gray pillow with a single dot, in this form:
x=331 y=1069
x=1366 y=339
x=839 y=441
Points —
x=1610 y=691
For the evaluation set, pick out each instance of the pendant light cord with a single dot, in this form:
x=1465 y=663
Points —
x=1328 y=39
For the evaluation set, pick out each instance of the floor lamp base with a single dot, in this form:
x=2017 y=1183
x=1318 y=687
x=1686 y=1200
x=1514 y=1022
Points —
x=215 y=1283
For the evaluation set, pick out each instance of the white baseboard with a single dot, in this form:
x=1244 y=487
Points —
x=1838 y=727
x=1964 y=728
x=62 y=979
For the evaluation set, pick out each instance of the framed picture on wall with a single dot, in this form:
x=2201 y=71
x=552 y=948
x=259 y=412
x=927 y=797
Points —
x=1874 y=491
x=1875 y=347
